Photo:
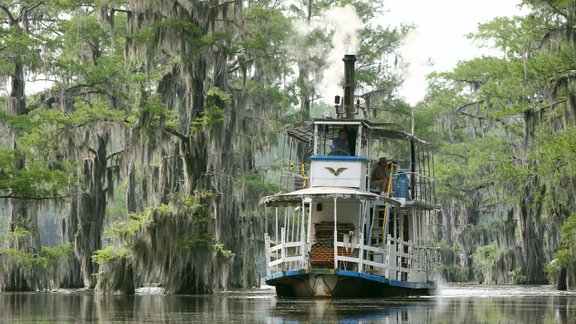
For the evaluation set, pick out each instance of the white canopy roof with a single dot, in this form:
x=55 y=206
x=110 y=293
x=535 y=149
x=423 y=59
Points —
x=295 y=197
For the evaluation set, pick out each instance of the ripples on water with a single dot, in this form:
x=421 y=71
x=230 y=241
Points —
x=452 y=304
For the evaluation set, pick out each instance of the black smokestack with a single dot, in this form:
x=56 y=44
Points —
x=349 y=85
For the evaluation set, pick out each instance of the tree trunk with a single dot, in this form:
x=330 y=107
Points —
x=90 y=211
x=20 y=278
x=562 y=279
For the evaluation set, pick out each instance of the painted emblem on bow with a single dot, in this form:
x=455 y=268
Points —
x=336 y=172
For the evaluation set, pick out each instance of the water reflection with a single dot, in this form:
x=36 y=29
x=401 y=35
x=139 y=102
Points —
x=351 y=311
x=455 y=304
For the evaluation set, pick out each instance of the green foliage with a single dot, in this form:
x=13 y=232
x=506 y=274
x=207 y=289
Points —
x=126 y=229
x=24 y=259
x=219 y=249
x=556 y=155
x=17 y=40
x=185 y=30
x=485 y=258
x=194 y=205
x=256 y=186
x=58 y=252
x=267 y=29
x=471 y=165
x=203 y=240
x=455 y=272
x=116 y=207
x=40 y=181
x=109 y=254
x=473 y=115
x=510 y=35
x=18 y=124
x=450 y=270
x=501 y=130
x=213 y=113
x=518 y=276
x=82 y=34
x=495 y=226
x=36 y=181
x=566 y=255
x=563 y=257
x=17 y=233
x=157 y=112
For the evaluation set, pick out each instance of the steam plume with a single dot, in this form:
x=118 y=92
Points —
x=345 y=23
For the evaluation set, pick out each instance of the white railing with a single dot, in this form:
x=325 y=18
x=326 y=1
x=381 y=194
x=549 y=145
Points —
x=282 y=255
x=394 y=262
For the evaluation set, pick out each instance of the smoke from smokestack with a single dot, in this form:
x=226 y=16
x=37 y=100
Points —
x=346 y=24
x=414 y=65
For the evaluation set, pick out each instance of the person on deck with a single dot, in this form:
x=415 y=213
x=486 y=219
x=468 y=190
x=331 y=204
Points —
x=380 y=175
x=340 y=144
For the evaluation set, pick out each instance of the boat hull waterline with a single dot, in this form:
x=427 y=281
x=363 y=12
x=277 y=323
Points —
x=343 y=284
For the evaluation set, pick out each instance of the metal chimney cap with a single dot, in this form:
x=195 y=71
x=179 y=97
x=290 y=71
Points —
x=349 y=57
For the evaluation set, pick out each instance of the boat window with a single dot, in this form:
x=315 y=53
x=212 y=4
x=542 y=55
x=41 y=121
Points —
x=337 y=140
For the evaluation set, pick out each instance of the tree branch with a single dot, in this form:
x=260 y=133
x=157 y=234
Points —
x=12 y=19
x=473 y=116
x=113 y=154
x=176 y=133
x=554 y=9
x=13 y=196
x=456 y=155
x=120 y=10
x=54 y=99
x=468 y=105
x=31 y=8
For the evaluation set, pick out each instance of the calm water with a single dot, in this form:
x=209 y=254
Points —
x=454 y=304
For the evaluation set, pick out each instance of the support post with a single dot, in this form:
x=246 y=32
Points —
x=267 y=246
x=335 y=235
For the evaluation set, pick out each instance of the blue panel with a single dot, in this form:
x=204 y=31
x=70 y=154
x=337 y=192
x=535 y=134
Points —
x=277 y=275
x=293 y=272
x=337 y=158
x=347 y=273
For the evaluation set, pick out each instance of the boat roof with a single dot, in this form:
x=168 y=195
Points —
x=306 y=133
x=295 y=197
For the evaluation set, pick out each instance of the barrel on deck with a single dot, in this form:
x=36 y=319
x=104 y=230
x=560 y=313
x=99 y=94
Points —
x=402 y=183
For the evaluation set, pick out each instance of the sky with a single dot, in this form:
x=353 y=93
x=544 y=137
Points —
x=440 y=36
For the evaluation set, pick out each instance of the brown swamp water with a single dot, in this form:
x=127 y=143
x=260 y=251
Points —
x=453 y=304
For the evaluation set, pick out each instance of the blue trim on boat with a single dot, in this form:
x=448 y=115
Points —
x=343 y=273
x=338 y=158
x=293 y=273
x=348 y=273
x=351 y=284
x=353 y=274
x=373 y=277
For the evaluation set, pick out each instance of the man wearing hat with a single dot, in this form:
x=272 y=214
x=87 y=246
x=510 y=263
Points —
x=379 y=176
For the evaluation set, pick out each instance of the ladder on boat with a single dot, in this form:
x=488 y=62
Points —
x=378 y=236
x=381 y=216
x=378 y=231
x=379 y=227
